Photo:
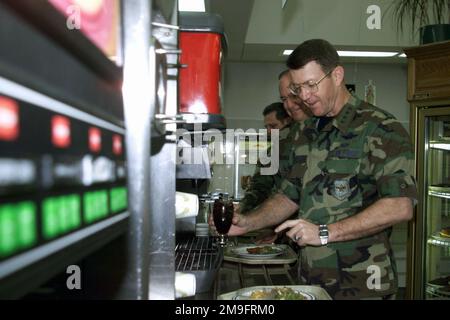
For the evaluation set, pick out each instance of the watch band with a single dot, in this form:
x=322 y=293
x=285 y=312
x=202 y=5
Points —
x=323 y=234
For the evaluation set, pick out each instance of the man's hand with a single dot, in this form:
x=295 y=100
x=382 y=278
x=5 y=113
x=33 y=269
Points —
x=271 y=212
x=267 y=237
x=238 y=226
x=301 y=232
x=237 y=207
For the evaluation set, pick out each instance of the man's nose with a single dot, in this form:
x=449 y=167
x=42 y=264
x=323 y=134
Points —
x=292 y=103
x=304 y=95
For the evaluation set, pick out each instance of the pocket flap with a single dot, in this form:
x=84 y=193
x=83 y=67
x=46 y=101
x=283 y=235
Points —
x=348 y=153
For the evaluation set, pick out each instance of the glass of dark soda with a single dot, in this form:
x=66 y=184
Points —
x=223 y=216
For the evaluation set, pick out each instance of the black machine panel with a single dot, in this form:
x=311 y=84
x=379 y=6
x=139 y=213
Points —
x=63 y=186
x=60 y=169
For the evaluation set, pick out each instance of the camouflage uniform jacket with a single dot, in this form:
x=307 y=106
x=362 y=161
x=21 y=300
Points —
x=362 y=155
x=262 y=186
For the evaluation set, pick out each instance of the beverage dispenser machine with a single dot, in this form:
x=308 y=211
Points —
x=203 y=45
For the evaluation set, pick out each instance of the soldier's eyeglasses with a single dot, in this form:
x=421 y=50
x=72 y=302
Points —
x=309 y=86
x=290 y=96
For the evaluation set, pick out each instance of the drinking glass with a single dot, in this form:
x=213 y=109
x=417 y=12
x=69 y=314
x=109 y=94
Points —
x=223 y=216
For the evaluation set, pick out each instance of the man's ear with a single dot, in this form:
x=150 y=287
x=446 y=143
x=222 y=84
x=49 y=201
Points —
x=338 y=75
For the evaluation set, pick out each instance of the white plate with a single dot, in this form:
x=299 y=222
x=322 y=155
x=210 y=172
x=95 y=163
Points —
x=245 y=294
x=242 y=252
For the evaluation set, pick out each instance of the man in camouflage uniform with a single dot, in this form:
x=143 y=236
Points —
x=350 y=181
x=262 y=186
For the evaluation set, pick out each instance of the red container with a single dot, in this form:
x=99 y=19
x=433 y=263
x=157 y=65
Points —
x=202 y=45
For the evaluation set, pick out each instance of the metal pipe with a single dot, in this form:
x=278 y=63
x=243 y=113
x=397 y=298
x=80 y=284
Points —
x=139 y=102
x=163 y=172
x=236 y=167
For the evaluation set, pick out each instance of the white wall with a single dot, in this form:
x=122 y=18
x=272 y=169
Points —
x=248 y=89
x=391 y=84
x=343 y=23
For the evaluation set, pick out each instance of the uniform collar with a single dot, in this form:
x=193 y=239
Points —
x=343 y=120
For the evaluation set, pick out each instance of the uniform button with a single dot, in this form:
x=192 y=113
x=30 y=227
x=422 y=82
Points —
x=403 y=186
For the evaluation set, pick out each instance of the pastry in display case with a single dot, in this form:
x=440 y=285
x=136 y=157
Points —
x=439 y=287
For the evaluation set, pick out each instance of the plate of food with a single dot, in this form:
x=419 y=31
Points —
x=259 y=252
x=274 y=293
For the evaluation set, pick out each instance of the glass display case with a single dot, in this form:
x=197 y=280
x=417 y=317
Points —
x=428 y=270
x=435 y=172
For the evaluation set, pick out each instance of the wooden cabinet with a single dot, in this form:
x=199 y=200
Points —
x=429 y=71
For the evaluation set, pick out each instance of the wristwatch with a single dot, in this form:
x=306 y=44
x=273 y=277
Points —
x=323 y=234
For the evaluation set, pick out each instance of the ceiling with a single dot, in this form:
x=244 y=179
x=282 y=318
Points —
x=236 y=17
x=258 y=30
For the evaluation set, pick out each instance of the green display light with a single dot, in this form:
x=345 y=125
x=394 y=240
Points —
x=95 y=205
x=17 y=227
x=118 y=199
x=50 y=218
x=60 y=215
x=73 y=202
x=8 y=233
x=26 y=221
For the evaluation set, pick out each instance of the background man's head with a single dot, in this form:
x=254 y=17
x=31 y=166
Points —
x=275 y=117
x=292 y=104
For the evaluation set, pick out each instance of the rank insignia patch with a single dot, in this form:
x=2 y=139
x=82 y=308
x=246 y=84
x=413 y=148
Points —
x=341 y=189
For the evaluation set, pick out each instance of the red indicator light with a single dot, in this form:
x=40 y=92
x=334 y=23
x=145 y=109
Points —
x=95 y=139
x=60 y=131
x=9 y=119
x=117 y=144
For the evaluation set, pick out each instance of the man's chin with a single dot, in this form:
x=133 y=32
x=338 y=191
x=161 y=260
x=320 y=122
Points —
x=299 y=115
x=315 y=110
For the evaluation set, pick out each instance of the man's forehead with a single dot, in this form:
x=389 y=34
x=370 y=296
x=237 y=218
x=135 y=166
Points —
x=269 y=115
x=309 y=70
